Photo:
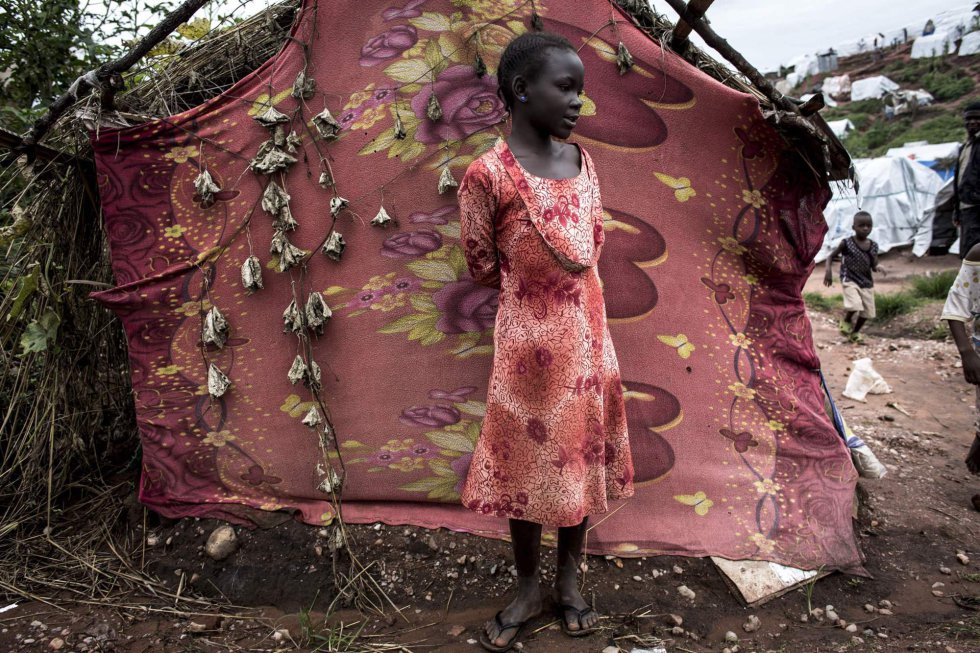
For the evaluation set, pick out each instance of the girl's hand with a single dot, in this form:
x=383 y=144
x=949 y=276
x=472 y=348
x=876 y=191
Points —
x=971 y=367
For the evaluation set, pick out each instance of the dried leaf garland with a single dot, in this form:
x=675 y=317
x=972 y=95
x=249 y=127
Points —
x=298 y=370
x=304 y=87
x=338 y=204
x=272 y=160
x=382 y=219
x=215 y=330
x=623 y=58
x=317 y=312
x=252 y=274
x=400 y=133
x=205 y=189
x=218 y=383
x=334 y=247
x=291 y=319
x=480 y=66
x=433 y=109
x=312 y=418
x=271 y=117
x=326 y=124
x=446 y=181
x=289 y=255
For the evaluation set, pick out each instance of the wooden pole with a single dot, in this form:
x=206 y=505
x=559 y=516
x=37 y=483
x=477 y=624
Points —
x=732 y=55
x=96 y=78
x=679 y=35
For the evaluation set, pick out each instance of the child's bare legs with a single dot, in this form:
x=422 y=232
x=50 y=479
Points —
x=570 y=541
x=525 y=540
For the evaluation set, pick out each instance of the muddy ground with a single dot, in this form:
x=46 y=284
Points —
x=911 y=525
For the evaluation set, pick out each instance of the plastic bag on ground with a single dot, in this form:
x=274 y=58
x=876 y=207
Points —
x=864 y=380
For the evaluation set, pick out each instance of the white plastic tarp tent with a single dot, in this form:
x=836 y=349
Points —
x=871 y=87
x=896 y=192
x=970 y=44
x=937 y=44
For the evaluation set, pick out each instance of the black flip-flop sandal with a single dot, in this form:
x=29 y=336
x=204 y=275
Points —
x=488 y=644
x=563 y=611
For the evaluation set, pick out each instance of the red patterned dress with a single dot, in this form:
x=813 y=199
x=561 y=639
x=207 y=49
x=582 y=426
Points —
x=554 y=446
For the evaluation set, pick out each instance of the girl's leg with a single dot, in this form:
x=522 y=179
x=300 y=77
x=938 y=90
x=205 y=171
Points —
x=525 y=540
x=578 y=614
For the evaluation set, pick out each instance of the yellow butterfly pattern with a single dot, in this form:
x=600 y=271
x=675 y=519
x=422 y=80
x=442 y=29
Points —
x=699 y=500
x=680 y=343
x=681 y=185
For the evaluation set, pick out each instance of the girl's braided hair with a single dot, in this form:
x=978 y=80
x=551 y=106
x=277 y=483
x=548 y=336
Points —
x=525 y=56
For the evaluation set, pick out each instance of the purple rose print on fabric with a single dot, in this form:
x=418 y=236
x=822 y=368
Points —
x=439 y=216
x=430 y=416
x=388 y=45
x=465 y=306
x=411 y=243
x=469 y=103
x=457 y=396
x=410 y=10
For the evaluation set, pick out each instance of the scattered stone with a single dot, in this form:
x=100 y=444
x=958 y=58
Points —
x=731 y=637
x=456 y=630
x=752 y=624
x=675 y=620
x=963 y=558
x=686 y=592
x=221 y=543
x=56 y=644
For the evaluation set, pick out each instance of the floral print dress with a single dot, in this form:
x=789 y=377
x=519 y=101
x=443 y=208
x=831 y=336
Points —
x=553 y=447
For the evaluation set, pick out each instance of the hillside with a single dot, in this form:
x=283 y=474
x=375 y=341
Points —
x=952 y=80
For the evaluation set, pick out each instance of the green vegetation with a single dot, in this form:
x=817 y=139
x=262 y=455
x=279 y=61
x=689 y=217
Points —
x=823 y=303
x=891 y=305
x=934 y=285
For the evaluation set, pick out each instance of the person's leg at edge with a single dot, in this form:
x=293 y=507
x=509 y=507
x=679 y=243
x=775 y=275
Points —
x=525 y=539
x=567 y=593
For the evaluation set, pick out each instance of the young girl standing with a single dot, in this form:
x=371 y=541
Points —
x=553 y=448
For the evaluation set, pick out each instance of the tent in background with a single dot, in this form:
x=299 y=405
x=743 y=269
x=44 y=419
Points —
x=896 y=191
x=871 y=87
x=940 y=157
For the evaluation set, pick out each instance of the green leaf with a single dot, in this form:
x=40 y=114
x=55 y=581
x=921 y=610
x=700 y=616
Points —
x=452 y=441
x=433 y=270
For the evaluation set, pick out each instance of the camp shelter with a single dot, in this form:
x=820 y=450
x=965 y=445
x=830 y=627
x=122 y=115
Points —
x=712 y=219
x=871 y=87
x=940 y=157
x=896 y=191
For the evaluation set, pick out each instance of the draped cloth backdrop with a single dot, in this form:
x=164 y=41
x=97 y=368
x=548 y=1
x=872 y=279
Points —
x=711 y=224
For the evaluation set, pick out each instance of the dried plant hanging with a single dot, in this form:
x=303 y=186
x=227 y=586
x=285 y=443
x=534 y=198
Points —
x=326 y=124
x=252 y=274
x=312 y=418
x=623 y=58
x=317 y=312
x=271 y=117
x=338 y=204
x=446 y=180
x=218 y=383
x=298 y=370
x=291 y=319
x=272 y=160
x=215 y=331
x=334 y=247
x=205 y=189
x=289 y=255
x=304 y=87
x=382 y=219
x=433 y=109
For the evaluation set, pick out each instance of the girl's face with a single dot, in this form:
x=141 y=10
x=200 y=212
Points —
x=553 y=96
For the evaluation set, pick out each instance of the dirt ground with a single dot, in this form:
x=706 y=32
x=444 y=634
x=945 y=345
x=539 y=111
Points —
x=911 y=525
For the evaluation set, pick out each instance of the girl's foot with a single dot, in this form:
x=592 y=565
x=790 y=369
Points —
x=501 y=632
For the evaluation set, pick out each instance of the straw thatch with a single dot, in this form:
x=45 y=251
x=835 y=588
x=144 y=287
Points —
x=68 y=437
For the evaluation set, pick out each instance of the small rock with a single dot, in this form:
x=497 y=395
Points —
x=56 y=644
x=686 y=592
x=752 y=624
x=456 y=630
x=731 y=637
x=221 y=543
x=851 y=628
x=963 y=558
x=675 y=620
